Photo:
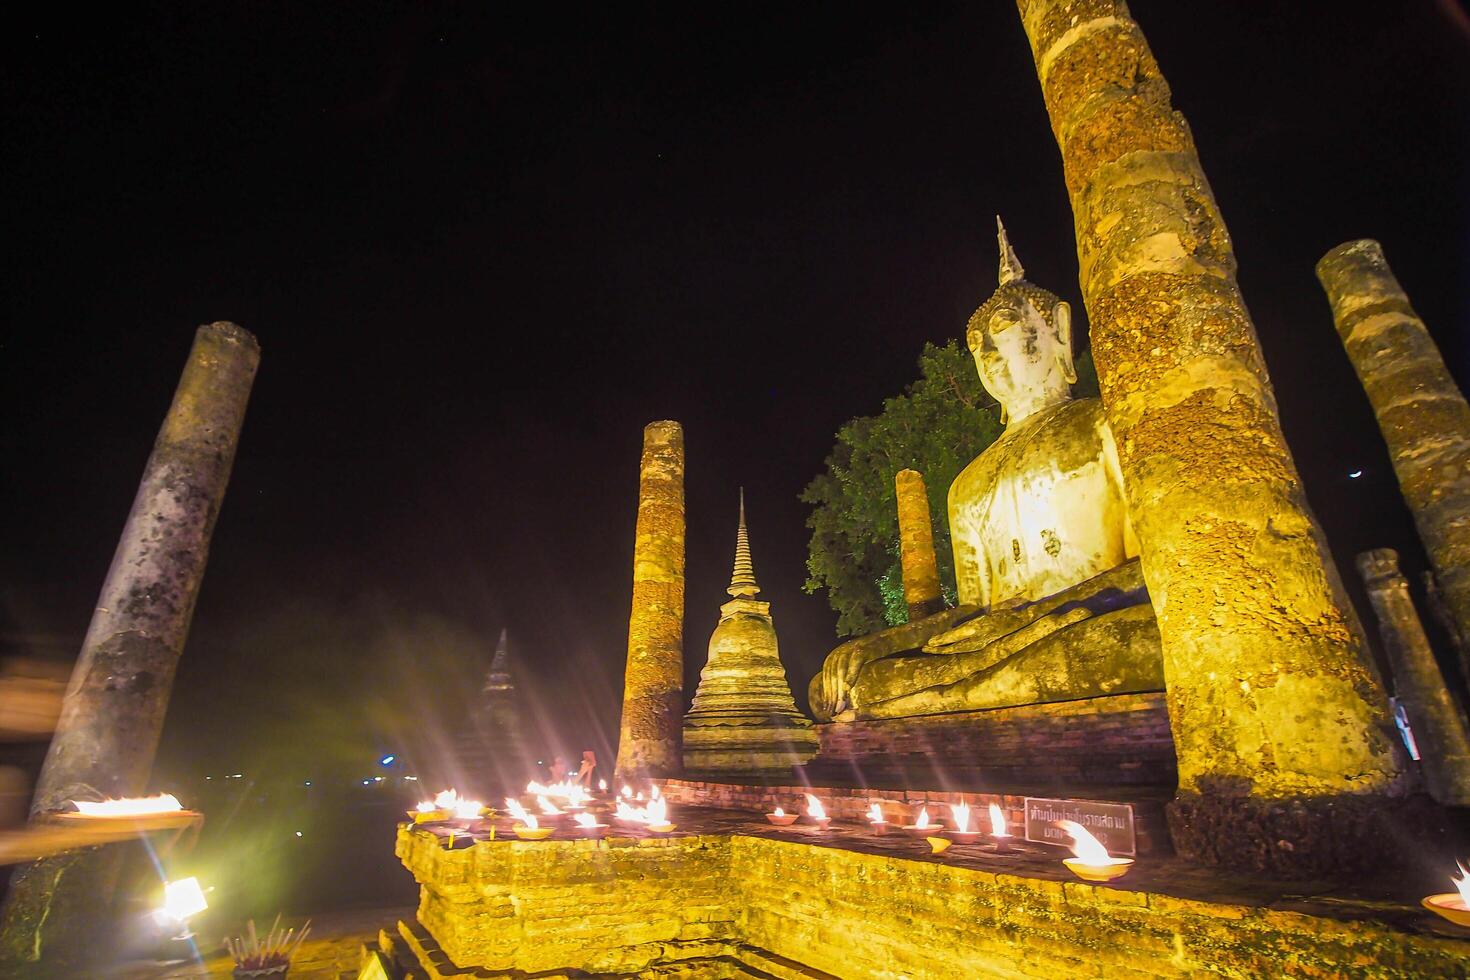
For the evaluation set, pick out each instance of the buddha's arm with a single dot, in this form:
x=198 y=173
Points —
x=1114 y=472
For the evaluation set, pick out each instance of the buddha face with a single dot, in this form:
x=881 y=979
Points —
x=1023 y=357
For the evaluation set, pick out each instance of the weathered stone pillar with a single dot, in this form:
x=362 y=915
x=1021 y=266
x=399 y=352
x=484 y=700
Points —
x=1270 y=695
x=1439 y=728
x=653 y=687
x=916 y=546
x=1423 y=415
x=113 y=711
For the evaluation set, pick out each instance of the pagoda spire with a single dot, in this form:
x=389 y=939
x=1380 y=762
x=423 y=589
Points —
x=742 y=580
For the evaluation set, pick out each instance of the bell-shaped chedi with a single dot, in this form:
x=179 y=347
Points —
x=744 y=718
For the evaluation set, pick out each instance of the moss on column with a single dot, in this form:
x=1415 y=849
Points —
x=1423 y=415
x=1438 y=726
x=1270 y=694
x=916 y=546
x=112 y=716
x=653 y=686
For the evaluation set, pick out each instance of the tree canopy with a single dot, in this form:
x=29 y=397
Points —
x=941 y=422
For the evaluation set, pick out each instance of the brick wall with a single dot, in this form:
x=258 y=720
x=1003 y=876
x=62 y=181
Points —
x=1121 y=740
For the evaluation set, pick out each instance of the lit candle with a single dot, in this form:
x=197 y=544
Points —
x=1093 y=862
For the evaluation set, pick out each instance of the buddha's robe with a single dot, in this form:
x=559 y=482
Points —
x=1041 y=509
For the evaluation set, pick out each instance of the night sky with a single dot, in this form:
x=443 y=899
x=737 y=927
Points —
x=481 y=248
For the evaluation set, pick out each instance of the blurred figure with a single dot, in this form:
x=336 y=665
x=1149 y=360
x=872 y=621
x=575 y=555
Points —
x=558 y=769
x=589 y=765
x=30 y=705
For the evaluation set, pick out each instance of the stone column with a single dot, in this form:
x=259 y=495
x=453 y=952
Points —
x=916 y=546
x=1270 y=695
x=1423 y=415
x=114 y=707
x=653 y=687
x=1439 y=728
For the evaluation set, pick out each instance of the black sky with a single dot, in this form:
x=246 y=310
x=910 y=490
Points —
x=482 y=246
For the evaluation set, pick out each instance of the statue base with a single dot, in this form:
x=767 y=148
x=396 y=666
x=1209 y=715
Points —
x=1308 y=837
x=1121 y=740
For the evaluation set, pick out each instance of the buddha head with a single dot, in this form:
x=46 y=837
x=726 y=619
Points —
x=1021 y=338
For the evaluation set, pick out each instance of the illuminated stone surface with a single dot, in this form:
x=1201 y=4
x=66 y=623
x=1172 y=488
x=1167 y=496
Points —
x=113 y=713
x=1270 y=694
x=653 y=685
x=1434 y=718
x=916 y=546
x=738 y=898
x=744 y=717
x=1043 y=549
x=1423 y=415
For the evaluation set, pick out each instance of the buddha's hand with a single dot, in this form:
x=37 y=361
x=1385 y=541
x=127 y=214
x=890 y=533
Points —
x=831 y=690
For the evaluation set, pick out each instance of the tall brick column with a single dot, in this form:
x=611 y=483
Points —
x=653 y=687
x=1423 y=415
x=1270 y=695
x=916 y=546
x=1438 y=726
x=112 y=715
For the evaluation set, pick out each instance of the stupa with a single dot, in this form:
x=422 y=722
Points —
x=744 y=718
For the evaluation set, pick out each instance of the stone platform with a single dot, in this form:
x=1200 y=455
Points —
x=851 y=803
x=1122 y=740
x=728 y=895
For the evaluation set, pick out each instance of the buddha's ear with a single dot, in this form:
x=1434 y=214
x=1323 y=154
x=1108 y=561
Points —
x=1061 y=315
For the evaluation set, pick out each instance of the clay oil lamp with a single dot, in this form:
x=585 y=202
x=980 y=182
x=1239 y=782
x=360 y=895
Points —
x=876 y=819
x=1454 y=906
x=588 y=826
x=441 y=808
x=530 y=830
x=602 y=786
x=657 y=815
x=999 y=833
x=962 y=834
x=525 y=826
x=816 y=813
x=781 y=818
x=922 y=827
x=1093 y=862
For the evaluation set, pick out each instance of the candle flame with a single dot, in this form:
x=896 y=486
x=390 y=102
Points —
x=875 y=814
x=1462 y=883
x=602 y=786
x=530 y=822
x=183 y=898
x=658 y=811
x=446 y=799
x=814 y=808
x=961 y=817
x=585 y=820
x=546 y=806
x=131 y=807
x=923 y=820
x=779 y=812
x=653 y=792
x=1087 y=847
x=567 y=789
x=468 y=809
x=426 y=806
x=998 y=822
x=627 y=791
x=518 y=812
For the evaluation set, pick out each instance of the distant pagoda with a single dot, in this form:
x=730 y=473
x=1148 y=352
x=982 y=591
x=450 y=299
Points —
x=744 y=718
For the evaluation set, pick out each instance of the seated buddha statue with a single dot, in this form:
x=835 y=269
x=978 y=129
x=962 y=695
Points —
x=1052 y=603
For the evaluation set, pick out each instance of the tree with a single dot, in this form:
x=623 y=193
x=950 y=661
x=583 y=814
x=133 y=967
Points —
x=941 y=422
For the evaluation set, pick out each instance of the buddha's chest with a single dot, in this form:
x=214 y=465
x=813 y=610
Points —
x=1038 y=520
